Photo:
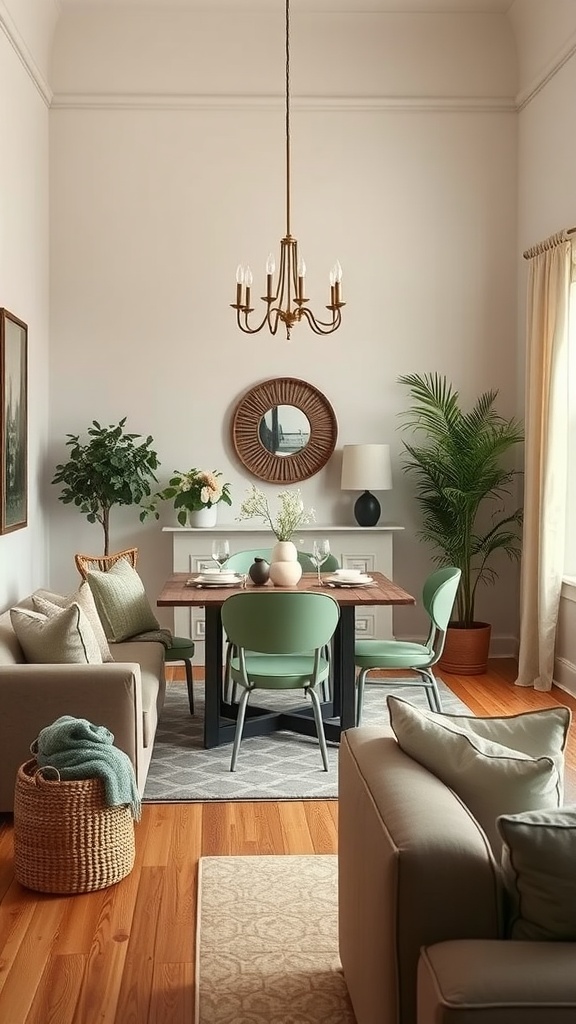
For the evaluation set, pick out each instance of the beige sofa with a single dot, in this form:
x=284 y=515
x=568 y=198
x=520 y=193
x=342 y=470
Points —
x=420 y=904
x=125 y=695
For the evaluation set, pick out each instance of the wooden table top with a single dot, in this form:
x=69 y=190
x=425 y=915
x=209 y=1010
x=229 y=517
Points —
x=176 y=593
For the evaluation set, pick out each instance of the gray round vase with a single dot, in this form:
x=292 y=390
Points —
x=259 y=572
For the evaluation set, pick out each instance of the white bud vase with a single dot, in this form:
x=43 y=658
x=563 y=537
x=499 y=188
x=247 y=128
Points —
x=204 y=517
x=284 y=551
x=285 y=569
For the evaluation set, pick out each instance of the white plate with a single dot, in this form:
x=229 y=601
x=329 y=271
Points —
x=209 y=581
x=218 y=574
x=361 y=582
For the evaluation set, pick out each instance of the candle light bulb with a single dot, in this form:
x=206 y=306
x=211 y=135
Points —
x=337 y=272
x=239 y=274
x=332 y=277
x=270 y=264
x=248 y=277
x=301 y=268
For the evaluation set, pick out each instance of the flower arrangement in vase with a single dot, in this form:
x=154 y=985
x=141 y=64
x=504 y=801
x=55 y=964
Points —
x=285 y=569
x=195 y=494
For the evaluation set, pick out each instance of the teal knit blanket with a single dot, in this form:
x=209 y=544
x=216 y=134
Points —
x=81 y=750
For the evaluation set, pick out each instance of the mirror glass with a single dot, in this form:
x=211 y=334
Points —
x=284 y=430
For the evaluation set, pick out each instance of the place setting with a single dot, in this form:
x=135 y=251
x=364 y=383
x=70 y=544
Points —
x=348 y=578
x=220 y=577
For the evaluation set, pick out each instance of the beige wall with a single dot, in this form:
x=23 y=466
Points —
x=166 y=173
x=24 y=100
x=166 y=170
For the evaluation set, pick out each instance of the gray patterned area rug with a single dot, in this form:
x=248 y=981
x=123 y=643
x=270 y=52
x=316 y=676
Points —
x=282 y=766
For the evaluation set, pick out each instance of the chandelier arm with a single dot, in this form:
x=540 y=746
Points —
x=321 y=326
x=272 y=321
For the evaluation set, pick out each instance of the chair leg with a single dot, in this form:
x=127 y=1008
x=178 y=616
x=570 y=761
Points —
x=227 y=676
x=360 y=694
x=327 y=683
x=239 y=728
x=319 y=725
x=189 y=683
x=432 y=692
x=230 y=687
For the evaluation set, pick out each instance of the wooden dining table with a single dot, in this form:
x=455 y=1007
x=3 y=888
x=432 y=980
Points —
x=180 y=591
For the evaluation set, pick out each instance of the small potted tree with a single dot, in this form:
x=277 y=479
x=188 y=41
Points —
x=112 y=468
x=463 y=486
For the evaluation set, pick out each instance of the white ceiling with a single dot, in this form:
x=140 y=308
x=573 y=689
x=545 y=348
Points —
x=311 y=6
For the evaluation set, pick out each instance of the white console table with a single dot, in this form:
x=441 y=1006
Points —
x=358 y=547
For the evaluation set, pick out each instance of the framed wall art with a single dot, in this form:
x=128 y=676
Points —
x=13 y=422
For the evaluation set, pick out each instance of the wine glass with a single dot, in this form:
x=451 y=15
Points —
x=320 y=553
x=220 y=552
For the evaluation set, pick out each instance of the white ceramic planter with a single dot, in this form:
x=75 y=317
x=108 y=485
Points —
x=204 y=517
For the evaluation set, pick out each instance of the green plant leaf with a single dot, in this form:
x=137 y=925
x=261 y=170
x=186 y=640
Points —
x=456 y=459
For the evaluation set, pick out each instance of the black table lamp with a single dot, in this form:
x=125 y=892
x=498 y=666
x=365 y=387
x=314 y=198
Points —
x=366 y=468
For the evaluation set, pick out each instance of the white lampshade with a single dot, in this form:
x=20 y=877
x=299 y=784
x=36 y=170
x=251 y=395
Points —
x=366 y=467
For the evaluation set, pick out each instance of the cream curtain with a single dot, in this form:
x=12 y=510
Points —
x=549 y=279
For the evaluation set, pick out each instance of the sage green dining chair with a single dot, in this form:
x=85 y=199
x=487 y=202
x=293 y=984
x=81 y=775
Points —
x=308 y=564
x=269 y=630
x=240 y=562
x=438 y=596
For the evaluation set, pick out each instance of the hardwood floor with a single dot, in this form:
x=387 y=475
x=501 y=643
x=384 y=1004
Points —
x=125 y=955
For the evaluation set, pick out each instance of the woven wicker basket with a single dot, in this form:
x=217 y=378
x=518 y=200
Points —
x=66 y=839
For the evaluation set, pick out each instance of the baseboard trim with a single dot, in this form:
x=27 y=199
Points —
x=565 y=675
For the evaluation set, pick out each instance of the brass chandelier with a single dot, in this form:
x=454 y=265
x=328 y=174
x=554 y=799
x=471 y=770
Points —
x=285 y=299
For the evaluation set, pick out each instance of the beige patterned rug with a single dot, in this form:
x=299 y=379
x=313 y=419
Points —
x=267 y=942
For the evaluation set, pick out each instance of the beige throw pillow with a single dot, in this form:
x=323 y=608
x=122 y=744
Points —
x=47 y=604
x=121 y=601
x=480 y=761
x=539 y=871
x=62 y=639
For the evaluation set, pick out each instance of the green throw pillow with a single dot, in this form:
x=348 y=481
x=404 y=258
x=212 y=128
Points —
x=121 y=601
x=47 y=604
x=539 y=871
x=495 y=765
x=62 y=639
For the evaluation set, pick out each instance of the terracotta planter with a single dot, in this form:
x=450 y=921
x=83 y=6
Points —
x=466 y=650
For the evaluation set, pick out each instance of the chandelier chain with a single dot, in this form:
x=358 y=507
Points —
x=287 y=34
x=286 y=300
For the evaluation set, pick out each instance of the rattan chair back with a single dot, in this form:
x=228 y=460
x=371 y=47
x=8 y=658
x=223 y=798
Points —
x=85 y=563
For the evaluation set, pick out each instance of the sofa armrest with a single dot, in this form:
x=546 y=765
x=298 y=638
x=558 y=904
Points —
x=489 y=982
x=414 y=868
x=33 y=696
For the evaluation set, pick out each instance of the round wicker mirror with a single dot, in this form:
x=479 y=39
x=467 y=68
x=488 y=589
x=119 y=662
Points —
x=265 y=405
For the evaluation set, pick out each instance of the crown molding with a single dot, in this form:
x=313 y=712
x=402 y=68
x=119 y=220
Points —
x=16 y=40
x=525 y=96
x=138 y=101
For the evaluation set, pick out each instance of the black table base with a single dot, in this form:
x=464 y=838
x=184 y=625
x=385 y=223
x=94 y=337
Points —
x=220 y=718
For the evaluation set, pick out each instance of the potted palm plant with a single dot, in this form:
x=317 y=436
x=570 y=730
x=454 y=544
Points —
x=463 y=485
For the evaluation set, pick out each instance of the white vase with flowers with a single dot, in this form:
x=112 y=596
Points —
x=285 y=569
x=195 y=495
